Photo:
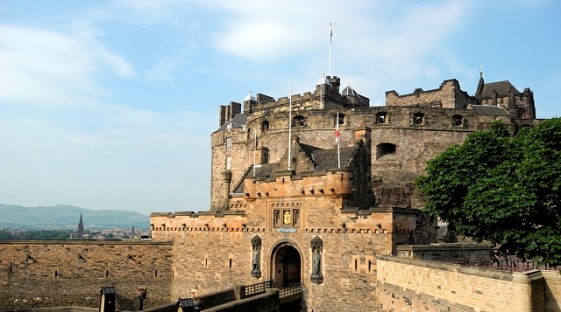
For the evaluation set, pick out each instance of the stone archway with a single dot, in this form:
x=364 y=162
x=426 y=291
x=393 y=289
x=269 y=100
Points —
x=286 y=265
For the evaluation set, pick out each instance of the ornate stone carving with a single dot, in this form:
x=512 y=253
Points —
x=256 y=256
x=317 y=247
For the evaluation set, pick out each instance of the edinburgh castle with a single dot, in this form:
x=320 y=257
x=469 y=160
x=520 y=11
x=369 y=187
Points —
x=312 y=200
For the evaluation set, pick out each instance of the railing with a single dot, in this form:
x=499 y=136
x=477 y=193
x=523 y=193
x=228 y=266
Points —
x=290 y=290
x=516 y=265
x=255 y=289
x=510 y=263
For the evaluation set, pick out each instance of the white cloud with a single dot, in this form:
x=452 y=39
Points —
x=367 y=40
x=43 y=67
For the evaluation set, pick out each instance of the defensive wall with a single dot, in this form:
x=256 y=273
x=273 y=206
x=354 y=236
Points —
x=43 y=274
x=50 y=273
x=406 y=284
x=220 y=256
x=458 y=253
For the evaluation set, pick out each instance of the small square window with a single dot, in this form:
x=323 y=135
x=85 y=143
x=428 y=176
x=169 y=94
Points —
x=418 y=119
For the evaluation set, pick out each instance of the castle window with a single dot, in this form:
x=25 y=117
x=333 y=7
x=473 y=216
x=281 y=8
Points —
x=265 y=157
x=228 y=143
x=457 y=120
x=341 y=120
x=265 y=126
x=276 y=218
x=298 y=121
x=381 y=117
x=385 y=150
x=228 y=163
x=418 y=118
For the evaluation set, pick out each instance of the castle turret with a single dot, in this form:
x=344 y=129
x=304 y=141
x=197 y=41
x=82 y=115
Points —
x=249 y=103
x=226 y=113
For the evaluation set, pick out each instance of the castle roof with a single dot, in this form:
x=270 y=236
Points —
x=323 y=159
x=237 y=122
x=490 y=110
x=348 y=91
x=326 y=159
x=503 y=88
x=249 y=97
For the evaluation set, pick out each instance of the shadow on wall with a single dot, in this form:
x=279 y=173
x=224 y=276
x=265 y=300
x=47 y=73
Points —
x=128 y=304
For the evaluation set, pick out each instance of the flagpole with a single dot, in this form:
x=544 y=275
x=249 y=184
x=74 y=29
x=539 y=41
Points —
x=330 y=40
x=337 y=139
x=290 y=126
x=254 y=150
x=321 y=90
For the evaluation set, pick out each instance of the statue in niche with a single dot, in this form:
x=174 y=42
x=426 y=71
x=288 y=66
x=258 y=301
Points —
x=255 y=261
x=316 y=260
x=317 y=246
x=256 y=257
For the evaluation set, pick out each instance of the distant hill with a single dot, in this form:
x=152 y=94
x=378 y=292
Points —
x=65 y=216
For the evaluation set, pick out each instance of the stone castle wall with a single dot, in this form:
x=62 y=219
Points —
x=416 y=285
x=449 y=95
x=39 y=274
x=222 y=258
x=552 y=291
x=415 y=143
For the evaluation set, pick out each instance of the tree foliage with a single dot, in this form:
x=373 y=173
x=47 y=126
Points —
x=501 y=188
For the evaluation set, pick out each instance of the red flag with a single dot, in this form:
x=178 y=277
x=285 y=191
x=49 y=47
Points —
x=337 y=131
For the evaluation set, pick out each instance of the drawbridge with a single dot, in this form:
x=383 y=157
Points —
x=255 y=297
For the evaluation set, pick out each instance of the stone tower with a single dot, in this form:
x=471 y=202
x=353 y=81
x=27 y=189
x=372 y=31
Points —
x=408 y=131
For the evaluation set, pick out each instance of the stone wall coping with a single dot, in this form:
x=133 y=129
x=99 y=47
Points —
x=81 y=242
x=443 y=247
x=270 y=292
x=193 y=214
x=517 y=277
x=527 y=277
x=396 y=210
x=66 y=309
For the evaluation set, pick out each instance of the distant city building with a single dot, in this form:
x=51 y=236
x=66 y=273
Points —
x=80 y=229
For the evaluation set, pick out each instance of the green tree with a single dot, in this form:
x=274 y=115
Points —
x=501 y=188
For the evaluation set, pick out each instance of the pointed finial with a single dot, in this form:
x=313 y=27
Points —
x=481 y=71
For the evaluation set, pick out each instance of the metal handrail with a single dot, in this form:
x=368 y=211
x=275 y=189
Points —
x=255 y=289
x=290 y=290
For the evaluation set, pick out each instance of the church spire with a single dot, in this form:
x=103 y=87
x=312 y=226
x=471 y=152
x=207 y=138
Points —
x=80 y=230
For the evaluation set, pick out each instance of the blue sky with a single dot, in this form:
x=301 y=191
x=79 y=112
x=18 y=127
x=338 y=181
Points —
x=110 y=104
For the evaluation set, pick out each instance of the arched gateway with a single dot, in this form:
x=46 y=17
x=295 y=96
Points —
x=286 y=265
